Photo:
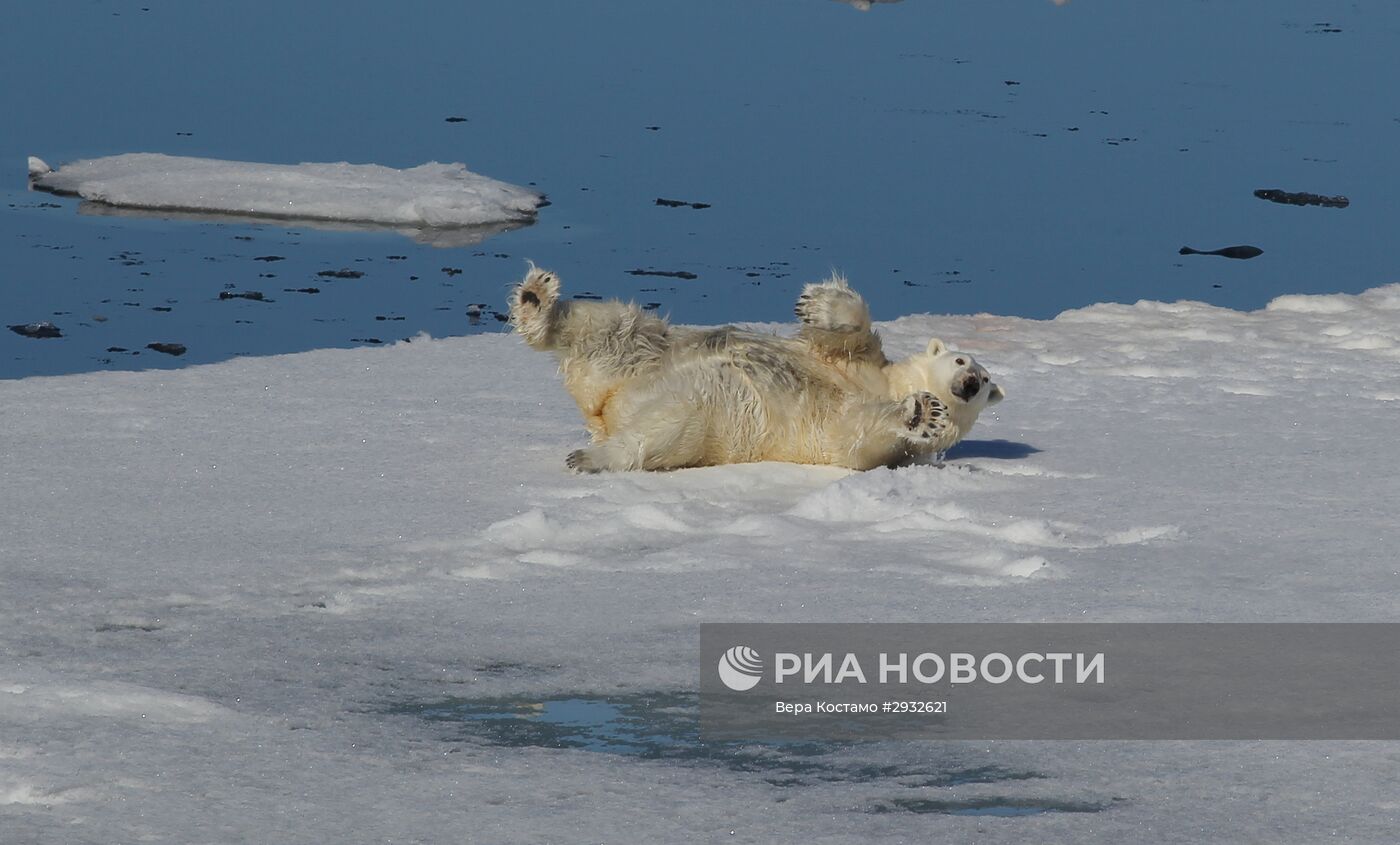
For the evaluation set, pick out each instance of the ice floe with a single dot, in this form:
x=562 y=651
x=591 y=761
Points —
x=434 y=199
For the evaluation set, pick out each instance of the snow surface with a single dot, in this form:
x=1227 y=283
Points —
x=430 y=195
x=229 y=592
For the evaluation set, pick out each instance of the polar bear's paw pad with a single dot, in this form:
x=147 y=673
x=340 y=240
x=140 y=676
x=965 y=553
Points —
x=539 y=291
x=924 y=416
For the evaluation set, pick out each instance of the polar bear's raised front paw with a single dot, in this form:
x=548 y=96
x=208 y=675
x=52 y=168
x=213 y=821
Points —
x=580 y=461
x=924 y=416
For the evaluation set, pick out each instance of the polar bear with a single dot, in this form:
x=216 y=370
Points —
x=656 y=396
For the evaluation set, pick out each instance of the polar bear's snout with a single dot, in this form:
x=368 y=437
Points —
x=966 y=387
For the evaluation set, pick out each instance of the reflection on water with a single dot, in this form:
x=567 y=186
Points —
x=442 y=237
x=951 y=156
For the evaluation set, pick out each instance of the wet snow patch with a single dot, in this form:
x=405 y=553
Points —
x=665 y=726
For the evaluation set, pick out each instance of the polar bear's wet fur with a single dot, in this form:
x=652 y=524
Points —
x=656 y=396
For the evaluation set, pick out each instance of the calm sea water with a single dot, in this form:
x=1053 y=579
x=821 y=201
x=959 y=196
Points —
x=950 y=156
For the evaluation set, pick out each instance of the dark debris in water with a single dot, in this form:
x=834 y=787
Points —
x=253 y=295
x=665 y=203
x=38 y=331
x=176 y=349
x=1301 y=198
x=340 y=274
x=1242 y=251
x=670 y=274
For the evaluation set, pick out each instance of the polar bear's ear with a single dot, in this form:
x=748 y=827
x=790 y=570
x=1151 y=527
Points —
x=996 y=395
x=936 y=347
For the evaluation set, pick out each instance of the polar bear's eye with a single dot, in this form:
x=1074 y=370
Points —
x=960 y=361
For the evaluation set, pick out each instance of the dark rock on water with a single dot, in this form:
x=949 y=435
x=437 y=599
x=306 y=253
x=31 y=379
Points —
x=1301 y=198
x=254 y=295
x=340 y=274
x=662 y=201
x=302 y=290
x=168 y=348
x=1242 y=251
x=456 y=119
x=365 y=340
x=38 y=330
x=670 y=274
x=270 y=258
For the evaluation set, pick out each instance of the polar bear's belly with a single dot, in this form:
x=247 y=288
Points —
x=746 y=411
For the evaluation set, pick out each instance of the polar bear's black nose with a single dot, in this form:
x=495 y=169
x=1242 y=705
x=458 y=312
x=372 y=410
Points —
x=967 y=387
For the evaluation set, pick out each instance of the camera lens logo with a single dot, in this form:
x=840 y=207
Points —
x=740 y=668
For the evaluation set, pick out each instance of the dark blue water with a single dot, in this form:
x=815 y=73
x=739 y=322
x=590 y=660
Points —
x=950 y=156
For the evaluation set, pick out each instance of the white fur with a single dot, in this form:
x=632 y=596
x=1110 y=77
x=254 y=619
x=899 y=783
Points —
x=654 y=396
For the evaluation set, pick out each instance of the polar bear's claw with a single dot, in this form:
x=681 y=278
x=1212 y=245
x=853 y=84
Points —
x=539 y=290
x=832 y=306
x=925 y=417
x=580 y=461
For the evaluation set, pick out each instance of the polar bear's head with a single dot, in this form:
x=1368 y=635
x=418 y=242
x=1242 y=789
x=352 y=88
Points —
x=954 y=377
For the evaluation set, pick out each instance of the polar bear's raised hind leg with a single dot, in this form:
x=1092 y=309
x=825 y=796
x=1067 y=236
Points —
x=534 y=305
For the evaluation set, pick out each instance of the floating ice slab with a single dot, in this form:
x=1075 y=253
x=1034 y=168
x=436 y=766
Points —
x=429 y=196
